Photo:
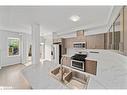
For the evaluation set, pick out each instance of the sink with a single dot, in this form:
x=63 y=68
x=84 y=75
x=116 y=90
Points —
x=56 y=73
x=77 y=80
x=72 y=79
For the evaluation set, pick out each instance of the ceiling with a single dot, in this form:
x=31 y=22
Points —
x=52 y=18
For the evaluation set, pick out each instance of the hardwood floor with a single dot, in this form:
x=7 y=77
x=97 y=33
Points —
x=11 y=78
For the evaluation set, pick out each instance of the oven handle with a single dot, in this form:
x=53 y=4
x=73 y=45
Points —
x=78 y=61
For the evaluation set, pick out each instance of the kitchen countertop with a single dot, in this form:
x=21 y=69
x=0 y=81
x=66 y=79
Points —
x=111 y=72
x=38 y=75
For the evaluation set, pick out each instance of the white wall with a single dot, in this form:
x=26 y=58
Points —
x=26 y=42
x=5 y=59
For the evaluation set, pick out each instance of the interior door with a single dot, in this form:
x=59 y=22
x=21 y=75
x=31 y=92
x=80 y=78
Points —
x=56 y=53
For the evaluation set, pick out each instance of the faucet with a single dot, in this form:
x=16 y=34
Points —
x=61 y=69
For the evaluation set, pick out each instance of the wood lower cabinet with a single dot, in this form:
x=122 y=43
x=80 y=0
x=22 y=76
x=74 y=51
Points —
x=67 y=61
x=91 y=67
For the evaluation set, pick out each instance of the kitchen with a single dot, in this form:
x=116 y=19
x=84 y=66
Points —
x=82 y=53
x=77 y=53
x=64 y=47
x=103 y=65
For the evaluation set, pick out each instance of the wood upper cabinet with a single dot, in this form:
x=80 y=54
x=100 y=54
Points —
x=95 y=41
x=80 y=33
x=121 y=48
x=125 y=30
x=99 y=41
x=63 y=46
x=110 y=39
x=69 y=41
x=105 y=40
x=91 y=42
x=57 y=40
x=91 y=67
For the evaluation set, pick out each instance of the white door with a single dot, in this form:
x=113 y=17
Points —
x=56 y=54
x=42 y=51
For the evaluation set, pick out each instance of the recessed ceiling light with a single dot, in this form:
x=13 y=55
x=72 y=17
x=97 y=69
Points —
x=75 y=18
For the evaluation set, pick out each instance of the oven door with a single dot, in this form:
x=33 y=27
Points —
x=77 y=64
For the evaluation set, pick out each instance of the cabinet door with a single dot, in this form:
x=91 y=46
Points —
x=99 y=41
x=80 y=39
x=69 y=42
x=67 y=61
x=91 y=42
x=125 y=30
x=91 y=66
x=121 y=48
x=63 y=47
x=57 y=40
x=80 y=33
x=106 y=41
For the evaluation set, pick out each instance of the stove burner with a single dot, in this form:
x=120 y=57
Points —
x=79 y=57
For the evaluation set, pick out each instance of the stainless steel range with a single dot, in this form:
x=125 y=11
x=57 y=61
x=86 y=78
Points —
x=78 y=61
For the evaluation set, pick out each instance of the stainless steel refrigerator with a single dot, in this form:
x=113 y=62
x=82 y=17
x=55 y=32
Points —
x=56 y=53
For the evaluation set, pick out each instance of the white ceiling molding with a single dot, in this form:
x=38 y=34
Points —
x=92 y=28
x=110 y=13
x=115 y=12
x=16 y=28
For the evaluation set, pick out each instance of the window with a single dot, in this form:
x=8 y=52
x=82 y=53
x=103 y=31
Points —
x=13 y=46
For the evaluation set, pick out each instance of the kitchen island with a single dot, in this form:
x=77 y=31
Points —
x=111 y=72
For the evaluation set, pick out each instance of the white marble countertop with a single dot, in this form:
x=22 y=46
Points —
x=111 y=73
x=111 y=70
x=38 y=75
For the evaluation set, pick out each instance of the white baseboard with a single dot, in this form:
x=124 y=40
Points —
x=4 y=65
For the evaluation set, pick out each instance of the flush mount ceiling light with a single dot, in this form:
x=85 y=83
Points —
x=74 y=18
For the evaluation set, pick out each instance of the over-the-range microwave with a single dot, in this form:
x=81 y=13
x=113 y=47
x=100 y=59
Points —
x=79 y=44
